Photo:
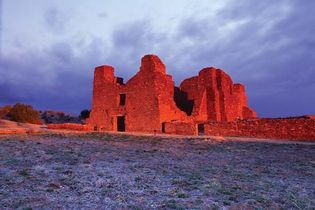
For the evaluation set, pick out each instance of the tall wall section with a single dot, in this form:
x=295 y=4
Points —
x=148 y=98
x=104 y=102
x=215 y=97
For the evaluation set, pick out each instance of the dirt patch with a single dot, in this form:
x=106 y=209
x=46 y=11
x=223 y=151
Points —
x=112 y=171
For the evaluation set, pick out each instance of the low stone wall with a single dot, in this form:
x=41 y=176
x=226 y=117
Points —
x=19 y=131
x=181 y=128
x=70 y=126
x=291 y=128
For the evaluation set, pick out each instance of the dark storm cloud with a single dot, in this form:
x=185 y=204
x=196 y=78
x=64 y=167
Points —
x=56 y=80
x=268 y=45
x=271 y=51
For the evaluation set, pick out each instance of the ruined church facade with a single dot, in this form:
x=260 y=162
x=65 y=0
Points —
x=149 y=101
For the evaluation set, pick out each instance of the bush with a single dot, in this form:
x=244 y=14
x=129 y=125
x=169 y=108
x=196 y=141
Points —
x=85 y=114
x=24 y=113
x=4 y=111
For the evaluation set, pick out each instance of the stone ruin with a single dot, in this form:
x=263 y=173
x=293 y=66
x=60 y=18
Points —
x=208 y=104
x=149 y=101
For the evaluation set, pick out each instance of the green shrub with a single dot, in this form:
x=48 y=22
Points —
x=24 y=113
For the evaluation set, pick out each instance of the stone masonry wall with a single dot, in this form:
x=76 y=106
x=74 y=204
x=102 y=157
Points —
x=216 y=97
x=154 y=104
x=149 y=98
x=69 y=126
x=294 y=128
x=181 y=128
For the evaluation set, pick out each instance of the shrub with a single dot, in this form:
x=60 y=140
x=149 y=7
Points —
x=4 y=111
x=24 y=113
x=85 y=114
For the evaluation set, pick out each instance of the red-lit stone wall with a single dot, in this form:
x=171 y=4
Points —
x=215 y=97
x=69 y=126
x=181 y=128
x=105 y=98
x=149 y=98
x=295 y=128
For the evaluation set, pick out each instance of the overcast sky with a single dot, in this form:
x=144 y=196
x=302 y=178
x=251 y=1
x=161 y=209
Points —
x=49 y=48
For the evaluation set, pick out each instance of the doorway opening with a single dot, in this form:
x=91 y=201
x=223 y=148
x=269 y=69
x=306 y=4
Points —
x=163 y=127
x=121 y=123
x=201 y=129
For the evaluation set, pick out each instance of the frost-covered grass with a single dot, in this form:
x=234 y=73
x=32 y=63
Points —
x=108 y=171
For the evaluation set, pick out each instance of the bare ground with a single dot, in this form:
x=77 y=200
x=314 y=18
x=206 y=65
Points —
x=112 y=171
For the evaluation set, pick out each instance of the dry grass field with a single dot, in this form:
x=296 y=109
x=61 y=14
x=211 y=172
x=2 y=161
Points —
x=113 y=171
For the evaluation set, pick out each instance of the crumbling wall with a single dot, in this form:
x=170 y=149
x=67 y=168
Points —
x=210 y=98
x=150 y=94
x=70 y=126
x=142 y=112
x=181 y=128
x=293 y=128
x=105 y=98
x=182 y=101
x=215 y=96
x=149 y=98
